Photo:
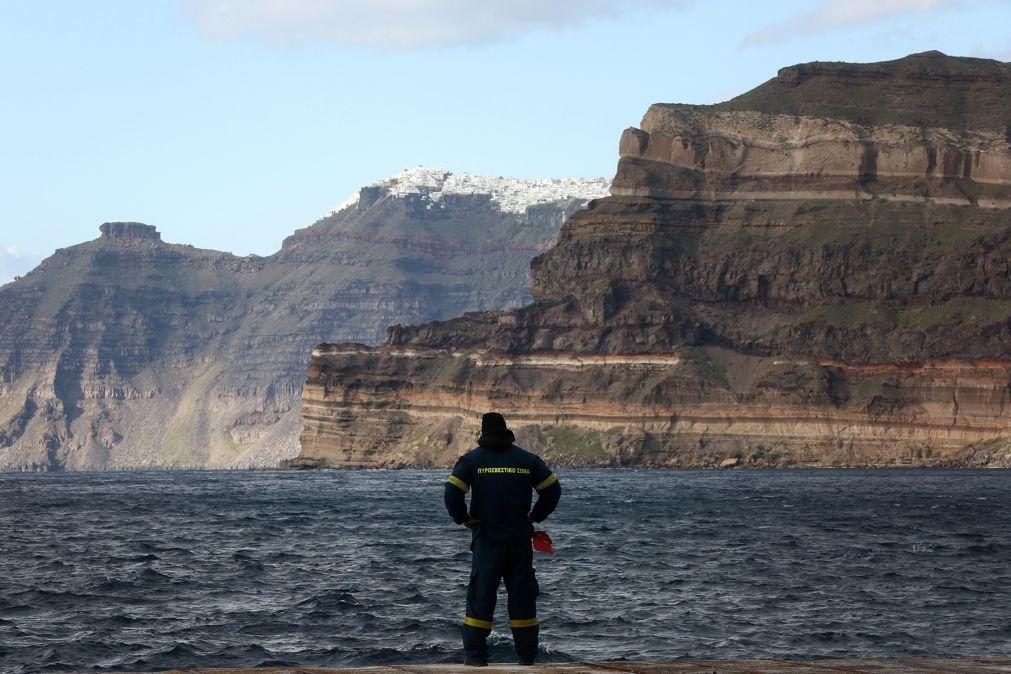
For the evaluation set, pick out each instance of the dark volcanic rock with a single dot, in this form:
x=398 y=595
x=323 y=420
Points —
x=929 y=89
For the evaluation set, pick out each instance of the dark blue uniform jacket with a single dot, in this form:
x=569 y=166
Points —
x=503 y=478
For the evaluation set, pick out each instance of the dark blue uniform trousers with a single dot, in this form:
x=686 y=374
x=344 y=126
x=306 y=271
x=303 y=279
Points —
x=494 y=561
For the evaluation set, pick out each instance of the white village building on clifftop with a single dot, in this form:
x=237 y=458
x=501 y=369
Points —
x=512 y=195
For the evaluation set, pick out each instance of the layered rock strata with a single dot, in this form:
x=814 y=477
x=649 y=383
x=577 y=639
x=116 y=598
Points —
x=129 y=352
x=814 y=273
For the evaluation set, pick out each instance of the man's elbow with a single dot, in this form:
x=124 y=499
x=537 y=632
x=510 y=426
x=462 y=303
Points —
x=456 y=506
x=554 y=492
x=547 y=500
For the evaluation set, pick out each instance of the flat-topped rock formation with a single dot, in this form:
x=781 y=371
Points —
x=121 y=232
x=130 y=352
x=814 y=273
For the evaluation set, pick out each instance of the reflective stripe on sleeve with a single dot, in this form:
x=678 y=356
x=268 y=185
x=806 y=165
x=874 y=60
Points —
x=528 y=622
x=458 y=483
x=550 y=480
x=475 y=622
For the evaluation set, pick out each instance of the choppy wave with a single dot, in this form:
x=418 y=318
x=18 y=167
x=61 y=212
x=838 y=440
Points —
x=146 y=571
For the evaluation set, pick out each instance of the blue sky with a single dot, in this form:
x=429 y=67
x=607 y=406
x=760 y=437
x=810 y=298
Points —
x=230 y=123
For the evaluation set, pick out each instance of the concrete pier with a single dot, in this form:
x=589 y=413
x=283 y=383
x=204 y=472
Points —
x=874 y=665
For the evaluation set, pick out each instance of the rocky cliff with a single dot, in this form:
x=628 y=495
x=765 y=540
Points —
x=813 y=273
x=129 y=352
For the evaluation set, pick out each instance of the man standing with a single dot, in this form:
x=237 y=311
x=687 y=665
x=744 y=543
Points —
x=503 y=478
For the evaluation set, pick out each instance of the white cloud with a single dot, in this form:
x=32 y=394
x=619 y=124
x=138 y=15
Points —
x=14 y=263
x=1001 y=53
x=400 y=24
x=838 y=14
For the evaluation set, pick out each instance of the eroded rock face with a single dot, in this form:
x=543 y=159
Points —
x=685 y=153
x=129 y=352
x=802 y=280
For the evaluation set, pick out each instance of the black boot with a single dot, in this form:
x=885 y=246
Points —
x=475 y=646
x=525 y=639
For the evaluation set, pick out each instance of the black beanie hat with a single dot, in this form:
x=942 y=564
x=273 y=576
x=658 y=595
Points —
x=494 y=432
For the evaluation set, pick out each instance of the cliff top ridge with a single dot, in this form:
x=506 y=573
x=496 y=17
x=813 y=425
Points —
x=929 y=89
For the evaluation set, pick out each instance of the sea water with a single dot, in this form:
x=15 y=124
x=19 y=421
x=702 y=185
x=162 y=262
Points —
x=153 y=570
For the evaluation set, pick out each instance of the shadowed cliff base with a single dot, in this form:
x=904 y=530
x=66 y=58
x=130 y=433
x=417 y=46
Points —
x=817 y=272
x=697 y=407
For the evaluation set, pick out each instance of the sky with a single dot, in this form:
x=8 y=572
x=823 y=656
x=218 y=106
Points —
x=228 y=124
